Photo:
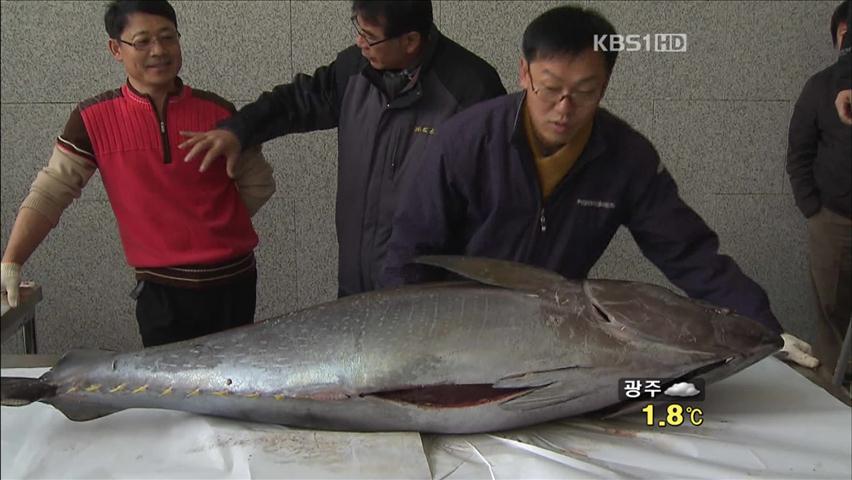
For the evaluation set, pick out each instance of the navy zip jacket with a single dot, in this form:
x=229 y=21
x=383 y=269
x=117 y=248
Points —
x=377 y=135
x=475 y=192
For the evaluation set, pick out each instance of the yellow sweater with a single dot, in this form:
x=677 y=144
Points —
x=553 y=168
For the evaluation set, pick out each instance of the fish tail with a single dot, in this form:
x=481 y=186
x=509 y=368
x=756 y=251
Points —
x=19 y=391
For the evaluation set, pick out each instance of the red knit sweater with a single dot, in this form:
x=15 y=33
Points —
x=168 y=213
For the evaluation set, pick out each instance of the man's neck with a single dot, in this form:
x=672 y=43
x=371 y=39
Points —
x=158 y=95
x=578 y=140
x=414 y=60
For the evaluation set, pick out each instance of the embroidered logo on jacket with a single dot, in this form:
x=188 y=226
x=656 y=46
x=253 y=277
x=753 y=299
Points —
x=594 y=203
x=426 y=130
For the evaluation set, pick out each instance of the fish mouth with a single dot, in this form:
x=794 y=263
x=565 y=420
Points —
x=709 y=373
x=700 y=371
x=450 y=396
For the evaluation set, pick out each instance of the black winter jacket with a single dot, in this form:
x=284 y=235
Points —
x=377 y=136
x=476 y=192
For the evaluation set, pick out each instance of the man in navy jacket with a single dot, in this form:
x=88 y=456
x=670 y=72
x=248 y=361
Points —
x=546 y=177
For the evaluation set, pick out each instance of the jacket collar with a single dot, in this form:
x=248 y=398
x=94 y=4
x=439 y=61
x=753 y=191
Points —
x=413 y=92
x=179 y=92
x=594 y=147
x=428 y=54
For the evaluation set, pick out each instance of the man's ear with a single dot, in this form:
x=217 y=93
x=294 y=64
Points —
x=114 y=49
x=413 y=40
x=603 y=89
x=523 y=73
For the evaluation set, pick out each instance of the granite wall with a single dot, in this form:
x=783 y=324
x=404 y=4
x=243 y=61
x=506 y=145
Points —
x=718 y=114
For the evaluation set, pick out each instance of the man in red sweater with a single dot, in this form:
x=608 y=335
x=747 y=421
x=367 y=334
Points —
x=188 y=235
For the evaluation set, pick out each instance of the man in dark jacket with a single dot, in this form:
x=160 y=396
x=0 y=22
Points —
x=385 y=95
x=546 y=177
x=819 y=162
x=843 y=100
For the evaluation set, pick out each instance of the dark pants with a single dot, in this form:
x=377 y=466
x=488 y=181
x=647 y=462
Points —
x=830 y=256
x=168 y=314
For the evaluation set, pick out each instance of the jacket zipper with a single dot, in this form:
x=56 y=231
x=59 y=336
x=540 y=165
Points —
x=365 y=270
x=164 y=137
x=167 y=151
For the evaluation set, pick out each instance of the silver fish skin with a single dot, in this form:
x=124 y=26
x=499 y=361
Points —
x=514 y=346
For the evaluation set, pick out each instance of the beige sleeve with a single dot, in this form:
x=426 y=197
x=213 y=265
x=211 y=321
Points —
x=58 y=184
x=254 y=179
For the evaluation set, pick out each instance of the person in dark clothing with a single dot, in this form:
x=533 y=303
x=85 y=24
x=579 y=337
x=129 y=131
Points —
x=385 y=95
x=546 y=177
x=819 y=162
x=843 y=100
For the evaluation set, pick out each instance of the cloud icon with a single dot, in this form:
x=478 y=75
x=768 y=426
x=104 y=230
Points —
x=682 y=389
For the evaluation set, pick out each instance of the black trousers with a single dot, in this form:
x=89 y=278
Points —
x=830 y=256
x=167 y=314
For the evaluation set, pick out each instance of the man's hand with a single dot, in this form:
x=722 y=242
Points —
x=843 y=102
x=797 y=351
x=217 y=143
x=10 y=280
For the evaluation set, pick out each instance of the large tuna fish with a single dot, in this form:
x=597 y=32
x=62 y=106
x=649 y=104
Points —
x=515 y=346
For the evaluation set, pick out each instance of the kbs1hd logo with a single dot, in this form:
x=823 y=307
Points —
x=657 y=42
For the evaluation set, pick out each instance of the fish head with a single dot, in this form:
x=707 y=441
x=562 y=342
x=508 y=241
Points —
x=722 y=341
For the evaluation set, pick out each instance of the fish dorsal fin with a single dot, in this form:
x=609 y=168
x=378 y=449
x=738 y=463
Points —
x=77 y=363
x=81 y=357
x=497 y=273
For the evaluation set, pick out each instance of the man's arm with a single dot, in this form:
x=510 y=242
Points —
x=429 y=206
x=673 y=237
x=54 y=188
x=843 y=101
x=254 y=179
x=844 y=59
x=802 y=139
x=308 y=103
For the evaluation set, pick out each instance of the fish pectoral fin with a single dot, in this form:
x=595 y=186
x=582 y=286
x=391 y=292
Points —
x=544 y=397
x=540 y=378
x=497 y=273
x=546 y=387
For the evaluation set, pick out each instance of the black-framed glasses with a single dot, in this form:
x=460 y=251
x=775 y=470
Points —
x=366 y=37
x=580 y=98
x=166 y=40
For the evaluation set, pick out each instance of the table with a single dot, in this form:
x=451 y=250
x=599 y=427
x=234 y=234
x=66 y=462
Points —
x=12 y=319
x=764 y=422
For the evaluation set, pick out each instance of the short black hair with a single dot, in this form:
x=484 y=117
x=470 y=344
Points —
x=839 y=16
x=566 y=31
x=115 y=18
x=401 y=16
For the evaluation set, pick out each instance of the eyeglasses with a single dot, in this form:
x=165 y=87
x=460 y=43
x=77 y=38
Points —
x=580 y=98
x=365 y=36
x=166 y=40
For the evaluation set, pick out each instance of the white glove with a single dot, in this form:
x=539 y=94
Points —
x=10 y=278
x=797 y=351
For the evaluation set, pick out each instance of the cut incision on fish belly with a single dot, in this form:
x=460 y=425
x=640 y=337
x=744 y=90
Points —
x=450 y=396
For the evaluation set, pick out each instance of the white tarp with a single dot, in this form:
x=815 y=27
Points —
x=765 y=422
